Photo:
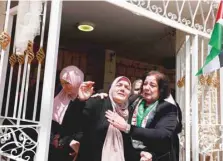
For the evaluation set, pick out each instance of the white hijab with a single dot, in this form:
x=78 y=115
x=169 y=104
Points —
x=113 y=148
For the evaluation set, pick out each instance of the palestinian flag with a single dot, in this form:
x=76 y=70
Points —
x=214 y=60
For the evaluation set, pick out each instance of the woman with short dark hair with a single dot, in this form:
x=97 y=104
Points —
x=154 y=119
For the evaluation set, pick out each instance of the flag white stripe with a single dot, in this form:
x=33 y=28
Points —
x=212 y=65
x=220 y=21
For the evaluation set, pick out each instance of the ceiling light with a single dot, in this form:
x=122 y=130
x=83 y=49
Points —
x=86 y=26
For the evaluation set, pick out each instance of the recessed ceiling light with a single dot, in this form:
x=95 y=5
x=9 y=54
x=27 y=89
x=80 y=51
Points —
x=86 y=26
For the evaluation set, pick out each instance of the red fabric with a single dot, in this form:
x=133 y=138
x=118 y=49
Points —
x=220 y=11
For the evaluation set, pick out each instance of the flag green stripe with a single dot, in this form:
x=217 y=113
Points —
x=216 y=37
x=200 y=71
x=212 y=61
x=213 y=53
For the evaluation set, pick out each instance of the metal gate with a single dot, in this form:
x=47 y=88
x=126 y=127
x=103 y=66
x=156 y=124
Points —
x=199 y=99
x=19 y=119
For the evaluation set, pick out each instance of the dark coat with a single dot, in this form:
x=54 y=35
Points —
x=160 y=136
x=95 y=130
x=70 y=129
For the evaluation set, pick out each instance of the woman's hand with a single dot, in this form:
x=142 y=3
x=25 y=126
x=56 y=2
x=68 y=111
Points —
x=85 y=90
x=56 y=141
x=116 y=120
x=145 y=156
x=101 y=95
x=75 y=145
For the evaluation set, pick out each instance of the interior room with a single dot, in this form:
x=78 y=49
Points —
x=135 y=43
x=121 y=43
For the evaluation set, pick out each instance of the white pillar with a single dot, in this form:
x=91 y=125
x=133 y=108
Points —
x=194 y=102
x=177 y=77
x=49 y=81
x=187 y=99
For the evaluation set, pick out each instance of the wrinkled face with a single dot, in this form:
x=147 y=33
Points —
x=137 y=87
x=121 y=92
x=68 y=88
x=150 y=89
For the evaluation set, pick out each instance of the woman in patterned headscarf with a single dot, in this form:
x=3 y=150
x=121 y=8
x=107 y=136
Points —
x=67 y=110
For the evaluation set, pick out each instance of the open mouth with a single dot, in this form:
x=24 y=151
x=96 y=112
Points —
x=147 y=94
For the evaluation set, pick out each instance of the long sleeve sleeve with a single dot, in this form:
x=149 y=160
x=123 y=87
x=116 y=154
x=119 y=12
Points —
x=73 y=124
x=160 y=135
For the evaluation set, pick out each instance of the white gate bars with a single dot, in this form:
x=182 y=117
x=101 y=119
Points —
x=183 y=90
x=4 y=55
x=49 y=80
x=187 y=99
x=209 y=123
x=199 y=99
x=194 y=98
x=19 y=134
x=180 y=96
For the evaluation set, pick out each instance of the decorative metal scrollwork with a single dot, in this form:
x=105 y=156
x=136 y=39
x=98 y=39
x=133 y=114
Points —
x=156 y=9
x=12 y=60
x=40 y=55
x=172 y=16
x=186 y=22
x=4 y=40
x=21 y=59
x=210 y=138
x=187 y=13
x=18 y=141
x=29 y=52
x=198 y=27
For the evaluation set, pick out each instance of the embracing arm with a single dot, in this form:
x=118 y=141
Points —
x=160 y=136
x=90 y=108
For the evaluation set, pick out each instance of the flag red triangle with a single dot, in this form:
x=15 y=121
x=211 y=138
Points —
x=220 y=11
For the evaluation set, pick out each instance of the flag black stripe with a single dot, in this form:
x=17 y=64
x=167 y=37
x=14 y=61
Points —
x=221 y=58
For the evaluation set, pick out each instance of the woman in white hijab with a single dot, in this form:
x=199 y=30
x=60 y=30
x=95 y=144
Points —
x=101 y=140
x=67 y=111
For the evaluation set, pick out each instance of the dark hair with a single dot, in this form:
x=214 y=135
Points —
x=162 y=81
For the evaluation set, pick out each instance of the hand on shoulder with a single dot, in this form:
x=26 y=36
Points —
x=100 y=95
